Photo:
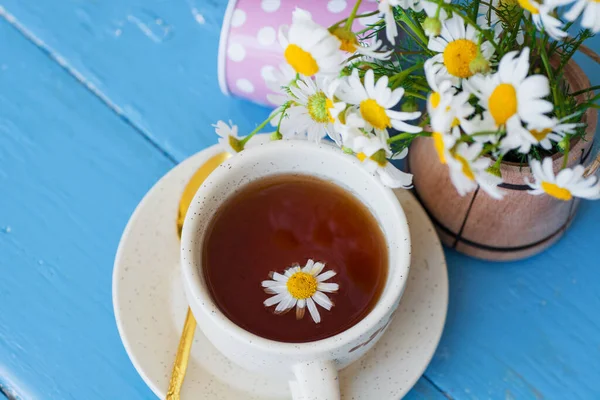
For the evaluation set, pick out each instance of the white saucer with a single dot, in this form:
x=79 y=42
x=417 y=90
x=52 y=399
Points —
x=150 y=308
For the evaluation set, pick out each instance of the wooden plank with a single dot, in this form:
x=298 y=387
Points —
x=515 y=330
x=154 y=62
x=71 y=172
x=528 y=329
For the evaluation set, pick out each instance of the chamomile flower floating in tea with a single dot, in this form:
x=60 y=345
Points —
x=568 y=183
x=301 y=288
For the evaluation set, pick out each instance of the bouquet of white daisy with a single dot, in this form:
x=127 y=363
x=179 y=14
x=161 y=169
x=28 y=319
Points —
x=491 y=73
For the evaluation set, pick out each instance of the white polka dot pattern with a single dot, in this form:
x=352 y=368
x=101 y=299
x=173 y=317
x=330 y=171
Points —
x=266 y=36
x=270 y=5
x=236 y=52
x=251 y=50
x=245 y=85
x=337 y=6
x=238 y=18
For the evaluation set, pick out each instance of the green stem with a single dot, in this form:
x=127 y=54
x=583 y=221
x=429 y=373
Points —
x=400 y=136
x=591 y=88
x=550 y=74
x=350 y=19
x=419 y=32
x=414 y=94
x=357 y=16
x=400 y=76
x=566 y=154
x=258 y=128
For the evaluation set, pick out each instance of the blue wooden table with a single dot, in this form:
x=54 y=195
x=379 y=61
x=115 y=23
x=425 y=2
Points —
x=98 y=99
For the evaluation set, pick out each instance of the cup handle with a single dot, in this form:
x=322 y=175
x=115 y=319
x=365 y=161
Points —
x=315 y=380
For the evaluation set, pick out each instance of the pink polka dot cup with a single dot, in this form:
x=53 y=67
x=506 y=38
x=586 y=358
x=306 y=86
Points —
x=249 y=50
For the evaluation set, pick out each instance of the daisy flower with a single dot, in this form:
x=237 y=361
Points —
x=568 y=183
x=375 y=101
x=314 y=108
x=309 y=47
x=590 y=10
x=512 y=97
x=278 y=81
x=372 y=153
x=541 y=13
x=457 y=46
x=469 y=170
x=228 y=137
x=552 y=132
x=350 y=44
x=301 y=288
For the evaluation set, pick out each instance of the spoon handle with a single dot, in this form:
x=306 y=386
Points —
x=182 y=357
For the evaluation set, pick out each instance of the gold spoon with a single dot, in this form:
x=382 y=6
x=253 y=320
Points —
x=189 y=327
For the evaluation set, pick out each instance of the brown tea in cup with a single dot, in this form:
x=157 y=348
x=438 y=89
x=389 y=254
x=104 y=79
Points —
x=284 y=220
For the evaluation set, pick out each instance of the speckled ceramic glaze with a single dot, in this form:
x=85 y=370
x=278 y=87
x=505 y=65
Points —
x=150 y=308
x=313 y=366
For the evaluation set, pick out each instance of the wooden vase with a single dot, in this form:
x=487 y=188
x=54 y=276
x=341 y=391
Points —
x=518 y=226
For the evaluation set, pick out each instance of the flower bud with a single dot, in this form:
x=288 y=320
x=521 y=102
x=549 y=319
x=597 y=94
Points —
x=410 y=105
x=479 y=65
x=432 y=26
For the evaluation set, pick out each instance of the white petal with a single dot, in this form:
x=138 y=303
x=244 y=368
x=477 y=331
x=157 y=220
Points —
x=322 y=300
x=312 y=309
x=278 y=277
x=275 y=299
x=326 y=275
x=317 y=268
x=286 y=304
x=308 y=266
x=328 y=287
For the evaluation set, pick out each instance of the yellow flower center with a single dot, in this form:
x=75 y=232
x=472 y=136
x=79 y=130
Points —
x=434 y=100
x=457 y=57
x=361 y=156
x=556 y=191
x=374 y=114
x=466 y=168
x=302 y=285
x=347 y=38
x=302 y=61
x=455 y=122
x=438 y=142
x=529 y=6
x=540 y=135
x=318 y=106
x=503 y=103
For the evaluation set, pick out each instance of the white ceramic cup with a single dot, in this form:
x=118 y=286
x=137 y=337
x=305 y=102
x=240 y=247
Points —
x=312 y=368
